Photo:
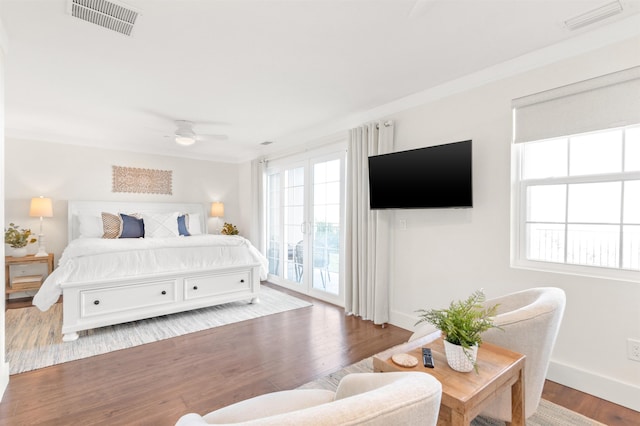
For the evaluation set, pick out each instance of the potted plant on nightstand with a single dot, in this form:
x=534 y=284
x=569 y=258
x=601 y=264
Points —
x=229 y=229
x=18 y=239
x=462 y=325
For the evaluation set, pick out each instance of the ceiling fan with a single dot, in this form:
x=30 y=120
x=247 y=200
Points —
x=186 y=136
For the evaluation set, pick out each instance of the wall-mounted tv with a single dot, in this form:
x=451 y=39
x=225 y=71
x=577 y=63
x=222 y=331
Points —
x=432 y=177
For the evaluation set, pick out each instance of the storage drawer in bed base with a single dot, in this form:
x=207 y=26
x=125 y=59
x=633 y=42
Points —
x=99 y=304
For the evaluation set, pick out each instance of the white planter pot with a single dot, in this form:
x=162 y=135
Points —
x=18 y=252
x=459 y=358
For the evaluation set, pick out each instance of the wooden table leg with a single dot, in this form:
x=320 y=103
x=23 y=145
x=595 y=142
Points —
x=459 y=419
x=517 y=401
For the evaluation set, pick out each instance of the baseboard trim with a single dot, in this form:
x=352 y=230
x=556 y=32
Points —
x=612 y=390
x=402 y=320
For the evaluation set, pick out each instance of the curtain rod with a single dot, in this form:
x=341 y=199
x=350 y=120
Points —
x=385 y=124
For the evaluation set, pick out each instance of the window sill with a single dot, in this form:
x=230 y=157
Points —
x=578 y=270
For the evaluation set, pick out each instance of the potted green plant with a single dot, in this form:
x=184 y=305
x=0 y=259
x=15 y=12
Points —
x=18 y=239
x=462 y=325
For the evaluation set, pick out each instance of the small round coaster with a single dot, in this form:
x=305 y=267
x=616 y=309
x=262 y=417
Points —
x=405 y=360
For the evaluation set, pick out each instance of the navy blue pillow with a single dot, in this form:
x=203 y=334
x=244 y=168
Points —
x=182 y=226
x=132 y=227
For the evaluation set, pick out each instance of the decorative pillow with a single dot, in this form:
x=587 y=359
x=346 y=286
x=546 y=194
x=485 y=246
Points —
x=90 y=226
x=132 y=226
x=183 y=224
x=193 y=224
x=161 y=225
x=111 y=225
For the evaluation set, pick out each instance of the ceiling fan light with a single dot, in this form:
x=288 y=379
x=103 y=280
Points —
x=185 y=140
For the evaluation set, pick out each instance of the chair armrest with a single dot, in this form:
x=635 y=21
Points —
x=357 y=383
x=191 y=419
x=269 y=404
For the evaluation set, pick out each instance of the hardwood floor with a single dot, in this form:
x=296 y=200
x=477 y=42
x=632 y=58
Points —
x=589 y=405
x=155 y=384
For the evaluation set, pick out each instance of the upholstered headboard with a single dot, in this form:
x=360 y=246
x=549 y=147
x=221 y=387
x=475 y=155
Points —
x=95 y=208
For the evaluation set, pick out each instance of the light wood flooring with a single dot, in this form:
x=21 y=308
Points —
x=156 y=383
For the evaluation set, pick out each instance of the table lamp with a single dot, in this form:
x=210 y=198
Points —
x=41 y=207
x=217 y=210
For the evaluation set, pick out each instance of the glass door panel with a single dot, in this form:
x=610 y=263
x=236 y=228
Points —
x=326 y=226
x=303 y=220
x=294 y=226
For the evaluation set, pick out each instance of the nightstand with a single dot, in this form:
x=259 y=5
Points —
x=26 y=273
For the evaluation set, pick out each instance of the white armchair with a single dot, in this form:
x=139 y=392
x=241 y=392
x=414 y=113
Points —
x=530 y=320
x=406 y=398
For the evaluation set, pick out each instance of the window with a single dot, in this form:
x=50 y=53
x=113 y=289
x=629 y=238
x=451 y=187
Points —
x=579 y=203
x=576 y=198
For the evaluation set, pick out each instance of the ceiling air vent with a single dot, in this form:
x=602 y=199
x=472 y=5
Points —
x=594 y=15
x=107 y=14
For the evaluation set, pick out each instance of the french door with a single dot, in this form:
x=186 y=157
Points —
x=304 y=218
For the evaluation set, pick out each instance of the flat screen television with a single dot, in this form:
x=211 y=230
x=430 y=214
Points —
x=431 y=177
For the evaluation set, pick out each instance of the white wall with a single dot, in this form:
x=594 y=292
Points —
x=4 y=367
x=66 y=172
x=447 y=254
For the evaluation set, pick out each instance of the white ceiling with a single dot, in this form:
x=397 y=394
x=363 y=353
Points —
x=255 y=70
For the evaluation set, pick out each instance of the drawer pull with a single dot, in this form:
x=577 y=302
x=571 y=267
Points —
x=164 y=292
x=241 y=281
x=96 y=302
x=195 y=287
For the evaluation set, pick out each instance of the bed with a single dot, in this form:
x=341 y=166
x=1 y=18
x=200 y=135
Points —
x=107 y=281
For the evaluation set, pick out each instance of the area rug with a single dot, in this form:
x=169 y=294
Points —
x=548 y=413
x=34 y=338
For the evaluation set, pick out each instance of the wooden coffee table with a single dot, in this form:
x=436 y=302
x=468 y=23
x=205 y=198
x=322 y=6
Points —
x=464 y=395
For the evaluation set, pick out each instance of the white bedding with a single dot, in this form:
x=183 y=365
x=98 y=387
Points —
x=93 y=259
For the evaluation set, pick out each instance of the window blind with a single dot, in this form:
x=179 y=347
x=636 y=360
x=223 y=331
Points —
x=611 y=100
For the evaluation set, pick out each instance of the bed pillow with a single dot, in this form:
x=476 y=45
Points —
x=193 y=224
x=183 y=225
x=111 y=225
x=132 y=226
x=90 y=226
x=160 y=225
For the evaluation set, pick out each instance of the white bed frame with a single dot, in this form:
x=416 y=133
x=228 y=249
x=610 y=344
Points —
x=88 y=305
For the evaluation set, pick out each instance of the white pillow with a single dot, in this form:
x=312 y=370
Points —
x=90 y=226
x=194 y=224
x=160 y=225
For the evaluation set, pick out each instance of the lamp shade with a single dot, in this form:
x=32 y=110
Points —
x=217 y=209
x=41 y=207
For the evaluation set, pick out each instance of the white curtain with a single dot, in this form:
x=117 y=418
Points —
x=257 y=203
x=367 y=256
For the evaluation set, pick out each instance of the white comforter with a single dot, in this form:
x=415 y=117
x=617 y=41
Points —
x=94 y=259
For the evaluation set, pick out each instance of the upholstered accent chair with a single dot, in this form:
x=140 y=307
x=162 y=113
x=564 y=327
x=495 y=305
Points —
x=403 y=398
x=529 y=322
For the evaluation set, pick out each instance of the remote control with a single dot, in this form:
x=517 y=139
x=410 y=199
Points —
x=427 y=360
